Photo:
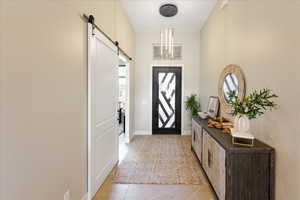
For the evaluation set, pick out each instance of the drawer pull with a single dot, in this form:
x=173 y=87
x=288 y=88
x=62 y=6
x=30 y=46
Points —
x=209 y=158
x=194 y=136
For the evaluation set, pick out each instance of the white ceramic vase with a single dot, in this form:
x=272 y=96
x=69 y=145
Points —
x=242 y=123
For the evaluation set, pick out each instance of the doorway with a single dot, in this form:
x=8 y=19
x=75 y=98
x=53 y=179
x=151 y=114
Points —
x=122 y=98
x=123 y=106
x=166 y=100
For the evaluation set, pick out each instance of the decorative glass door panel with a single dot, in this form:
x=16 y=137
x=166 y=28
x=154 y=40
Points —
x=166 y=116
x=166 y=98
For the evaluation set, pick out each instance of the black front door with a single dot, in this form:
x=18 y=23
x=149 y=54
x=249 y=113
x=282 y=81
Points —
x=166 y=100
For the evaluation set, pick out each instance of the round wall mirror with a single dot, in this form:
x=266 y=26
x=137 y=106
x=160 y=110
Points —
x=230 y=84
x=231 y=80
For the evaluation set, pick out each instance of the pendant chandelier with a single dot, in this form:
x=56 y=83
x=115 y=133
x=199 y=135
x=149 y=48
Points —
x=167 y=43
x=167 y=35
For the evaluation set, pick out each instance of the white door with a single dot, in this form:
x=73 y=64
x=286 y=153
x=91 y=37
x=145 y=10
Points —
x=102 y=108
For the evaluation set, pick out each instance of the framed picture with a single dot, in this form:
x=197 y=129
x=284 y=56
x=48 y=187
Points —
x=213 y=106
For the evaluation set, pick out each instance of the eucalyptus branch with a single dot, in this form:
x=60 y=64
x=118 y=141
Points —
x=254 y=105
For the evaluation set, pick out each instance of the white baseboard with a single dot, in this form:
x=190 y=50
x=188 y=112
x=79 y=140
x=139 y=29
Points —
x=101 y=177
x=145 y=132
x=85 y=197
x=186 y=132
x=142 y=132
x=105 y=172
x=131 y=136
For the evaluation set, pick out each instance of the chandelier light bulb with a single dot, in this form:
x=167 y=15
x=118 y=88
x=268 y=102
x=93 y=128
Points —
x=167 y=43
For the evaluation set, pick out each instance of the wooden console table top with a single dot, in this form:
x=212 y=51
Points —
x=225 y=140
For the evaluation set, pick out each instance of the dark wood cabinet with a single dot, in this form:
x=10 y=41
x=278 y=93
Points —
x=234 y=172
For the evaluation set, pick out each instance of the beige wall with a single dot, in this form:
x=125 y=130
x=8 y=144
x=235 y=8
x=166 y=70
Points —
x=262 y=36
x=124 y=33
x=143 y=87
x=1 y=107
x=126 y=37
x=43 y=75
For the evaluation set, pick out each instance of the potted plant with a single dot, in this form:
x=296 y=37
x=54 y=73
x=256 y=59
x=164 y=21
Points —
x=192 y=104
x=250 y=107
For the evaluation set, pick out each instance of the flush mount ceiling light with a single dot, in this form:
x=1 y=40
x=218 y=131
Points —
x=168 y=10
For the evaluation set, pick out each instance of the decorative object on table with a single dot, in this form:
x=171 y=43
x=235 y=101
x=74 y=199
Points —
x=192 y=104
x=213 y=106
x=221 y=123
x=242 y=139
x=250 y=107
x=203 y=115
x=231 y=80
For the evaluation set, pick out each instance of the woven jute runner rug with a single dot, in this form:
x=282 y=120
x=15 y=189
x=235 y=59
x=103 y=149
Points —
x=159 y=159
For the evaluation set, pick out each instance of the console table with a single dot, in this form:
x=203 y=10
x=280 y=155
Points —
x=234 y=172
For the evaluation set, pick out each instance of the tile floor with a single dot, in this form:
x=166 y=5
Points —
x=110 y=191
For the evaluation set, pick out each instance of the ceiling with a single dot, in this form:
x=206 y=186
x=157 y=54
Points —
x=192 y=14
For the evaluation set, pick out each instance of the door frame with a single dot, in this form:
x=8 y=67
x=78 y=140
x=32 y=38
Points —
x=128 y=136
x=182 y=93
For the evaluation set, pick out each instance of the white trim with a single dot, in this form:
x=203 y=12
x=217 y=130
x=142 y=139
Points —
x=182 y=92
x=85 y=197
x=186 y=132
x=123 y=58
x=142 y=132
x=127 y=105
x=105 y=172
x=89 y=178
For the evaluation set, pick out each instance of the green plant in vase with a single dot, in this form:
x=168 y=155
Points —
x=192 y=104
x=250 y=107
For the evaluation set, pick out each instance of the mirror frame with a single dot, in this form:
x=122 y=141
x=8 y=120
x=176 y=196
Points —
x=237 y=71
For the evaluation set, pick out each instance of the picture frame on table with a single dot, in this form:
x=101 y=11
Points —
x=213 y=106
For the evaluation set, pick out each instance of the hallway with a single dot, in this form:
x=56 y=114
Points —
x=168 y=170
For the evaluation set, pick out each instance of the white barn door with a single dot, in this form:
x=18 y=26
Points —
x=102 y=108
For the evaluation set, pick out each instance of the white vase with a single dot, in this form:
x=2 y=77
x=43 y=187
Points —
x=242 y=123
